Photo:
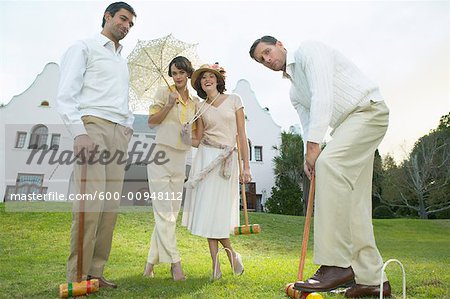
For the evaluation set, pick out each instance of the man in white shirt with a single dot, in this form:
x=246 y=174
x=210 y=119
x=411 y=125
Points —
x=93 y=102
x=328 y=90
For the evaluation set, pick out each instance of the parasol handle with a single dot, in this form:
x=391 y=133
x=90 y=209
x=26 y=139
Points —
x=168 y=85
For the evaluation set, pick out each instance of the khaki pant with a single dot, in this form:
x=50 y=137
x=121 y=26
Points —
x=166 y=186
x=343 y=232
x=105 y=180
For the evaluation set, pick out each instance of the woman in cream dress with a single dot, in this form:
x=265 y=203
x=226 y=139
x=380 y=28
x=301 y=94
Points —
x=211 y=207
x=171 y=108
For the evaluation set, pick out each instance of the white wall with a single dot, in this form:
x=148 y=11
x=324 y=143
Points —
x=23 y=113
x=262 y=131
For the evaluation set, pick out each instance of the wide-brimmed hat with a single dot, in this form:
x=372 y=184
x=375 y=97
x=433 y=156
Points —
x=213 y=68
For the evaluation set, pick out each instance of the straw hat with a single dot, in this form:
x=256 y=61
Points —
x=213 y=68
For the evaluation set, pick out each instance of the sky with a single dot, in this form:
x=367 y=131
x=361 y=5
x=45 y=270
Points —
x=404 y=46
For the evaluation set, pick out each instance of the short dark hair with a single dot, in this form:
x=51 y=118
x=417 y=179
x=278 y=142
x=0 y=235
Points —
x=115 y=7
x=198 y=85
x=265 y=39
x=181 y=63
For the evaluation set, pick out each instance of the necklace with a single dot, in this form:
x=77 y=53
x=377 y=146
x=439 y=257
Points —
x=201 y=111
x=207 y=98
x=185 y=102
x=182 y=93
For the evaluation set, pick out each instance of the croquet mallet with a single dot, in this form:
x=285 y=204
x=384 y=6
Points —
x=81 y=287
x=244 y=229
x=289 y=289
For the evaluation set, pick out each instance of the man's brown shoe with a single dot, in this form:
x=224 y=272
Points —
x=361 y=291
x=327 y=278
x=103 y=283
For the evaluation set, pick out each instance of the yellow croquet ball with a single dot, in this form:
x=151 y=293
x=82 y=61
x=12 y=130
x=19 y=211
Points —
x=314 y=296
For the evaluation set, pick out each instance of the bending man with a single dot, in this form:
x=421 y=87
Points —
x=330 y=91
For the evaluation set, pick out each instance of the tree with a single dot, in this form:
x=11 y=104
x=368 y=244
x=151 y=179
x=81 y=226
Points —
x=444 y=123
x=384 y=190
x=422 y=182
x=288 y=168
x=377 y=179
x=286 y=198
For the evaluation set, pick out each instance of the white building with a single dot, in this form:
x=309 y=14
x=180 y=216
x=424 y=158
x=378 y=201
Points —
x=30 y=120
x=263 y=134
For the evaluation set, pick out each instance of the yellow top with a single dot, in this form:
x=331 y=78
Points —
x=169 y=131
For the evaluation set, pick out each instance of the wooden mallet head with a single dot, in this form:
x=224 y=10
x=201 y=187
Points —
x=73 y=289
x=247 y=229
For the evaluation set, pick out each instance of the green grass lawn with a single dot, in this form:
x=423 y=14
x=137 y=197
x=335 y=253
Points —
x=34 y=249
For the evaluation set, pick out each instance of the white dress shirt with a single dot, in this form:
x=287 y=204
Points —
x=326 y=88
x=94 y=81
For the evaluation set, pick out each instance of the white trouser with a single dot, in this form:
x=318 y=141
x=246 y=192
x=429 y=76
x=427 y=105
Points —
x=343 y=232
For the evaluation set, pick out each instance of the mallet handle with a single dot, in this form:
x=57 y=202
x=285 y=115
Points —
x=81 y=223
x=307 y=227
x=244 y=199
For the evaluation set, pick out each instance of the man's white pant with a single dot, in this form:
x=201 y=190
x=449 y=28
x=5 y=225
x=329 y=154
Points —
x=343 y=232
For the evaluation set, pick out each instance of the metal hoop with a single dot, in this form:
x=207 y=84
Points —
x=403 y=273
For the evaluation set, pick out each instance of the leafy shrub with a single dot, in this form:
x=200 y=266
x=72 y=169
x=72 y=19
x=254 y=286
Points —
x=286 y=198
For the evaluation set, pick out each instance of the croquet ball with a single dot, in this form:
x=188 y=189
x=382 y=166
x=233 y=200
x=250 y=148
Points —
x=314 y=296
x=303 y=295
